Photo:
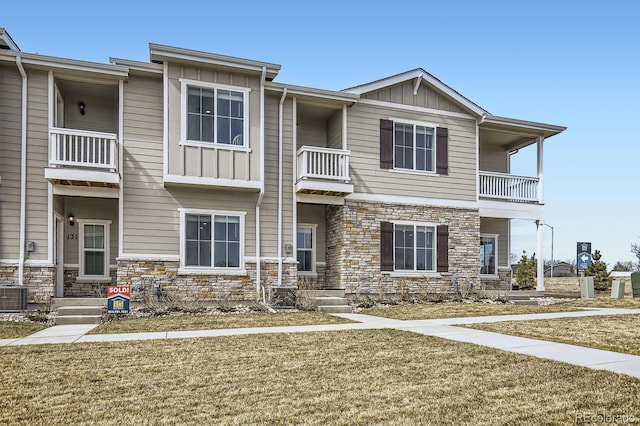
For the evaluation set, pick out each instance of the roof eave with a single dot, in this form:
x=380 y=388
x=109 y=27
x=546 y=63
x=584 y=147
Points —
x=544 y=129
x=8 y=41
x=348 y=98
x=160 y=52
x=117 y=71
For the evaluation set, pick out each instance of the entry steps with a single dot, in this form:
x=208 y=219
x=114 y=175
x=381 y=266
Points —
x=519 y=297
x=331 y=301
x=78 y=310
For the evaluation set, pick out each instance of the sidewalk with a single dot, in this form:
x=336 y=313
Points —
x=444 y=328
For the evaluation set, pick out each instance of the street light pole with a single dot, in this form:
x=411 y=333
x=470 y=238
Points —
x=551 y=247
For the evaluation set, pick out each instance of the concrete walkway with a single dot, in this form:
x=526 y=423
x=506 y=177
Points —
x=444 y=328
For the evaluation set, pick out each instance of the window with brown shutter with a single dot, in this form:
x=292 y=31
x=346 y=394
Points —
x=442 y=151
x=386 y=144
x=386 y=246
x=443 y=248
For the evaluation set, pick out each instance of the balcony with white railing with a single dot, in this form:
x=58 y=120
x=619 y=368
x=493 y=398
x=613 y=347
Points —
x=323 y=171
x=83 y=157
x=511 y=188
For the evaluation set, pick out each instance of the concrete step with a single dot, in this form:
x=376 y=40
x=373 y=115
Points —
x=525 y=302
x=321 y=293
x=57 y=302
x=512 y=296
x=79 y=310
x=331 y=301
x=78 y=319
x=333 y=309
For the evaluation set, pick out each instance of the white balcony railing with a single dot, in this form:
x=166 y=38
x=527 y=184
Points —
x=82 y=148
x=323 y=163
x=509 y=187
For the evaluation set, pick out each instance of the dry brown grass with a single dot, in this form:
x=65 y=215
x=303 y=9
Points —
x=15 y=330
x=605 y=301
x=349 y=377
x=617 y=333
x=212 y=321
x=462 y=309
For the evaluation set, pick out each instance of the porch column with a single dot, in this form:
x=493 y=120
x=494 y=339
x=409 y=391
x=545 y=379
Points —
x=540 y=269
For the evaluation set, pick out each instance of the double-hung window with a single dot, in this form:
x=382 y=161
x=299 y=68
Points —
x=214 y=113
x=414 y=247
x=306 y=248
x=94 y=249
x=488 y=252
x=414 y=147
x=212 y=239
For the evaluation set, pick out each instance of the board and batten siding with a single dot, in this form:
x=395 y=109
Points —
x=367 y=176
x=501 y=227
x=269 y=207
x=426 y=97
x=151 y=215
x=211 y=162
x=10 y=145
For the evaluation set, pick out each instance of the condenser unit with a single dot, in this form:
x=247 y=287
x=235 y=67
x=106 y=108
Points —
x=13 y=298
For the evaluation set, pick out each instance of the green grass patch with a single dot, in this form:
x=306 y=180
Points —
x=15 y=330
x=462 y=309
x=213 y=321
x=618 y=333
x=342 y=378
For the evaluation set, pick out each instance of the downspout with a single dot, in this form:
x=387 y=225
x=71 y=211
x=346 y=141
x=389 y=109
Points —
x=23 y=173
x=261 y=194
x=280 y=120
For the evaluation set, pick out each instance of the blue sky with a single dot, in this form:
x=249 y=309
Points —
x=575 y=65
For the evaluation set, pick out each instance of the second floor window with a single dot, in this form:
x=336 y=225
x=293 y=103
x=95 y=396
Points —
x=215 y=114
x=414 y=147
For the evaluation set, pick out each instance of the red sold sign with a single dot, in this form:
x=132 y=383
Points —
x=123 y=290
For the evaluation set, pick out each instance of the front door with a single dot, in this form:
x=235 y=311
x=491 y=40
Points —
x=59 y=256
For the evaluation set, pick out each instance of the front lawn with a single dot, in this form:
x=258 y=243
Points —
x=215 y=321
x=343 y=378
x=617 y=333
x=16 y=330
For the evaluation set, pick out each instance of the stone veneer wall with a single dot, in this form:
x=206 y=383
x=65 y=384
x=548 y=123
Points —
x=502 y=283
x=39 y=280
x=85 y=288
x=353 y=247
x=146 y=275
x=311 y=282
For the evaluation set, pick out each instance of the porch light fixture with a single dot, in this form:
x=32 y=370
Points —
x=72 y=219
x=81 y=106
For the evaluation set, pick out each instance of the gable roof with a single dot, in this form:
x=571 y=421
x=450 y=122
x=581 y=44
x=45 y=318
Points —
x=419 y=75
x=6 y=42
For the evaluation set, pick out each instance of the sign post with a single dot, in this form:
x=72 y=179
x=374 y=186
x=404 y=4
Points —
x=584 y=257
x=118 y=297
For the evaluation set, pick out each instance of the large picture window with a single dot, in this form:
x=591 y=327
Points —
x=414 y=248
x=94 y=249
x=212 y=239
x=214 y=113
x=488 y=252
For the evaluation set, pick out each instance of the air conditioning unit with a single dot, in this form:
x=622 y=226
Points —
x=283 y=296
x=13 y=298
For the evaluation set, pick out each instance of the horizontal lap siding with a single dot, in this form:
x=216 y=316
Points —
x=10 y=145
x=315 y=214
x=494 y=159
x=37 y=159
x=151 y=216
x=500 y=227
x=364 y=144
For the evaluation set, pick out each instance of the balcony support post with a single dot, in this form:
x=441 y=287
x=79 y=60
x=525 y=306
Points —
x=540 y=265
x=540 y=146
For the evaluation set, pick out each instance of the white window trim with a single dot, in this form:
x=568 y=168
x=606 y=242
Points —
x=314 y=227
x=416 y=272
x=183 y=269
x=184 y=83
x=107 y=249
x=414 y=123
x=495 y=236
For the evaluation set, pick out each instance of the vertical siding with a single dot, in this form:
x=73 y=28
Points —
x=500 y=227
x=37 y=159
x=363 y=140
x=205 y=161
x=10 y=125
x=426 y=97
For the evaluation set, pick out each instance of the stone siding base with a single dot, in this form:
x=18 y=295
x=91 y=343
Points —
x=148 y=278
x=85 y=288
x=39 y=280
x=313 y=282
x=503 y=282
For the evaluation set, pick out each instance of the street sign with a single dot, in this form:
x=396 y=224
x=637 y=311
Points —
x=118 y=297
x=584 y=257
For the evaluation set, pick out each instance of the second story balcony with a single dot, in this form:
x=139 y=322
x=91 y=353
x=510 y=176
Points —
x=506 y=187
x=83 y=158
x=323 y=171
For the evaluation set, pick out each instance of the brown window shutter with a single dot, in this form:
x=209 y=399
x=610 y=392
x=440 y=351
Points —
x=442 y=151
x=443 y=248
x=386 y=246
x=386 y=144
